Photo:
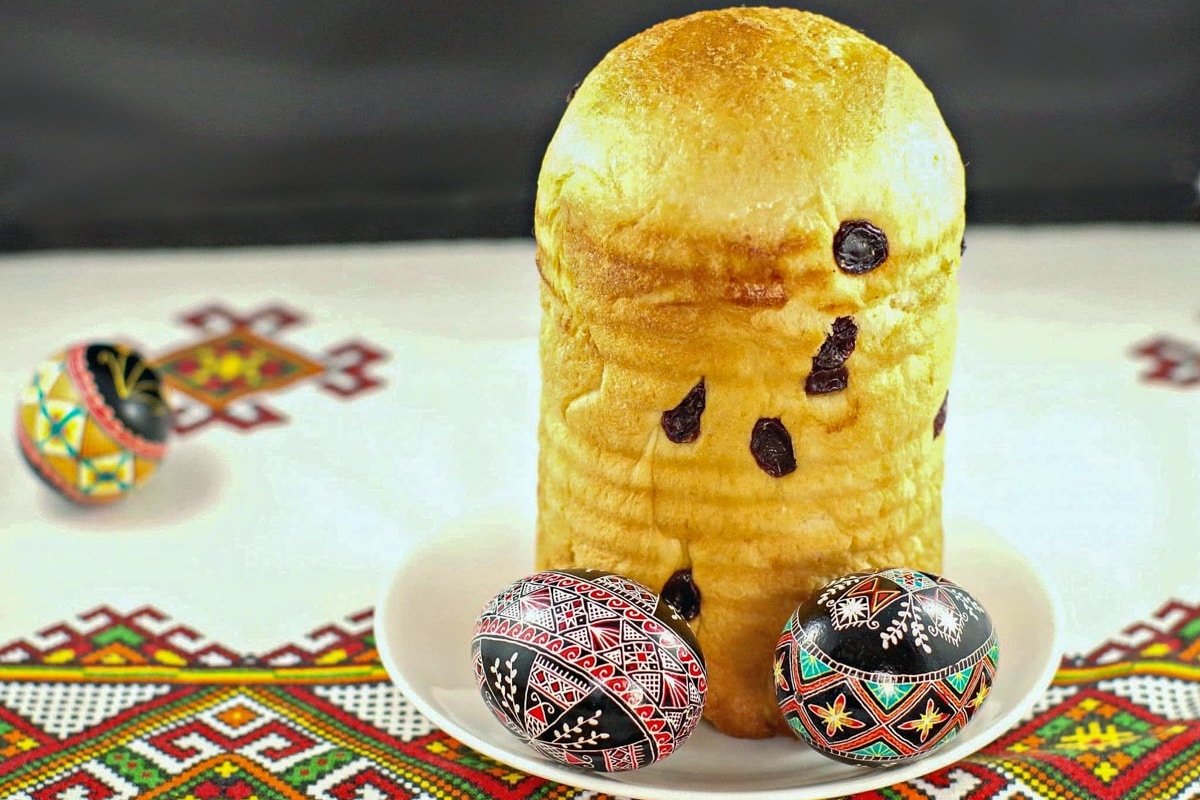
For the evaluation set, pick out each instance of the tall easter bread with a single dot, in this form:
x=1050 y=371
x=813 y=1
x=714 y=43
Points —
x=749 y=225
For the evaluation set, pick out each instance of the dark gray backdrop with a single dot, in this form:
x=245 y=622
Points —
x=150 y=122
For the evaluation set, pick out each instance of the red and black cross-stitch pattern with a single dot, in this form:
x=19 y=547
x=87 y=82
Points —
x=239 y=358
x=1170 y=362
x=138 y=706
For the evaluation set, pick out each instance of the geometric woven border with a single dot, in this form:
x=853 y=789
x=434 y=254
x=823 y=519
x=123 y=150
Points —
x=136 y=705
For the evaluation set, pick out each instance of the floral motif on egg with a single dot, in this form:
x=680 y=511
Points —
x=590 y=669
x=883 y=667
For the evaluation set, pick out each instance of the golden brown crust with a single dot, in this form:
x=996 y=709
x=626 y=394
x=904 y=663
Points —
x=754 y=130
x=685 y=217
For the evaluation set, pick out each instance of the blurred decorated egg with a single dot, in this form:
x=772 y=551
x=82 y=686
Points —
x=93 y=422
x=883 y=667
x=590 y=669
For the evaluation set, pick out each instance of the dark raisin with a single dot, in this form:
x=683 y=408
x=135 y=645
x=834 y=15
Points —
x=827 y=381
x=571 y=94
x=939 y=421
x=859 y=247
x=962 y=246
x=682 y=423
x=838 y=345
x=682 y=594
x=771 y=445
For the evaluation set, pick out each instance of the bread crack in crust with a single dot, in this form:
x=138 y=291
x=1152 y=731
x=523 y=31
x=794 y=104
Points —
x=748 y=229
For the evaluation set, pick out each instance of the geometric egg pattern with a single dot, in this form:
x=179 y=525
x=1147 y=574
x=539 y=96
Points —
x=92 y=423
x=861 y=713
x=590 y=669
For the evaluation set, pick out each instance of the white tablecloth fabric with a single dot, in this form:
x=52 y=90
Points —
x=257 y=538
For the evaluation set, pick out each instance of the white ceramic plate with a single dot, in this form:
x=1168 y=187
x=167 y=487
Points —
x=423 y=627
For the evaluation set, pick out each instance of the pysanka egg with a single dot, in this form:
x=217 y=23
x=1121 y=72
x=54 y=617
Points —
x=589 y=668
x=882 y=667
x=93 y=422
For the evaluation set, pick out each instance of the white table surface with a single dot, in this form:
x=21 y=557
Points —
x=257 y=538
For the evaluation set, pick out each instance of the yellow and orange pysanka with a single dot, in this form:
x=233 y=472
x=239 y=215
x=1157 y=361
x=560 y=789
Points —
x=72 y=436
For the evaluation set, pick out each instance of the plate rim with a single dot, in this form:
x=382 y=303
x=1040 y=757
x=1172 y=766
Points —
x=600 y=782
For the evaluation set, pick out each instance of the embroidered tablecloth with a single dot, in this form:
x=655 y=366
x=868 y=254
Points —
x=136 y=705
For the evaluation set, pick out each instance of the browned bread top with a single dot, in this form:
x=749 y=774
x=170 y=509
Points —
x=713 y=158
